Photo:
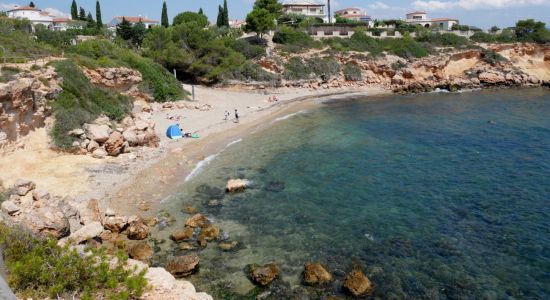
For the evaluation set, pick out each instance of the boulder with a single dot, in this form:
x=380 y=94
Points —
x=40 y=195
x=209 y=233
x=92 y=146
x=264 y=275
x=89 y=211
x=23 y=186
x=181 y=266
x=76 y=132
x=315 y=273
x=397 y=79
x=87 y=232
x=165 y=286
x=137 y=230
x=182 y=235
x=113 y=146
x=115 y=223
x=197 y=220
x=98 y=133
x=491 y=78
x=357 y=283
x=99 y=153
x=47 y=221
x=141 y=251
x=189 y=210
x=10 y=207
x=236 y=185
x=131 y=137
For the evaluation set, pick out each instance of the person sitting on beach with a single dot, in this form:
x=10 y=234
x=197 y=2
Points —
x=236 y=116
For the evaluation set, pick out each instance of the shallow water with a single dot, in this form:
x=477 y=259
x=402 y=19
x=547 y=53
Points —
x=437 y=196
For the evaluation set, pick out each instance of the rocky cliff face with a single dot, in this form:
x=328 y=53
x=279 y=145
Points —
x=23 y=103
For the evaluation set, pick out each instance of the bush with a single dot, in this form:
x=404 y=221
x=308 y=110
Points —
x=297 y=39
x=352 y=72
x=442 y=39
x=247 y=49
x=38 y=268
x=323 y=67
x=8 y=73
x=251 y=71
x=156 y=80
x=491 y=57
x=405 y=47
x=81 y=102
x=295 y=69
x=482 y=37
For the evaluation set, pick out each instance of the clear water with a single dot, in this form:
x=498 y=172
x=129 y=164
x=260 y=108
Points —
x=437 y=196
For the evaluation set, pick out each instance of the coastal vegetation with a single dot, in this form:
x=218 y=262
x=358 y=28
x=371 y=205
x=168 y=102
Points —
x=39 y=268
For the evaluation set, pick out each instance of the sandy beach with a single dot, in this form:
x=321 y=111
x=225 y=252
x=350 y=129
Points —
x=136 y=182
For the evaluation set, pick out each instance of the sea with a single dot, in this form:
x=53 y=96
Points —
x=433 y=196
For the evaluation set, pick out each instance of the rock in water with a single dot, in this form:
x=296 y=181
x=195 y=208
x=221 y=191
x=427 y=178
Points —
x=113 y=146
x=141 y=251
x=315 y=273
x=264 y=275
x=236 y=185
x=228 y=246
x=137 y=230
x=181 y=266
x=197 y=220
x=182 y=235
x=357 y=283
x=208 y=234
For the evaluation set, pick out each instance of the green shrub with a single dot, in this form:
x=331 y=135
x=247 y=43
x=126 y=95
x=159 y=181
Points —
x=352 y=72
x=247 y=49
x=8 y=73
x=156 y=79
x=81 y=102
x=491 y=57
x=445 y=39
x=323 y=67
x=39 y=268
x=482 y=37
x=295 y=69
x=405 y=47
x=359 y=41
x=294 y=40
x=251 y=71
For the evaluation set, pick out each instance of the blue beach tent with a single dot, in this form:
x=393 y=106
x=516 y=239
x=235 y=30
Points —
x=174 y=132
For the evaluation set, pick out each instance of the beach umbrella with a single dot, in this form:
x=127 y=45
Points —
x=174 y=132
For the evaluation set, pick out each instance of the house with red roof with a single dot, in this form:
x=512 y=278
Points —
x=37 y=16
x=354 y=14
x=149 y=23
x=421 y=18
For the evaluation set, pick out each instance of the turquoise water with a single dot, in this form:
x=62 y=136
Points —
x=436 y=196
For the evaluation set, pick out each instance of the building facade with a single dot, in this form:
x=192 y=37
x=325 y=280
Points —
x=307 y=8
x=354 y=14
x=40 y=17
x=421 y=18
x=133 y=20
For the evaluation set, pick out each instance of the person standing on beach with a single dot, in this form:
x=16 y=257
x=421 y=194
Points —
x=236 y=116
x=226 y=114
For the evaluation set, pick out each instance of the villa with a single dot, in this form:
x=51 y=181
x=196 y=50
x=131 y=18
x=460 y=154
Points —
x=307 y=8
x=40 y=17
x=421 y=18
x=354 y=14
x=133 y=20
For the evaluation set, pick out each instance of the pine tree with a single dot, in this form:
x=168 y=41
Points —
x=90 y=21
x=98 y=19
x=74 y=10
x=31 y=4
x=201 y=12
x=219 y=20
x=225 y=14
x=82 y=14
x=124 y=29
x=164 y=18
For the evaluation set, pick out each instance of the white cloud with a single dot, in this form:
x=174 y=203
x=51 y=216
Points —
x=432 y=5
x=56 y=13
x=7 y=6
x=383 y=6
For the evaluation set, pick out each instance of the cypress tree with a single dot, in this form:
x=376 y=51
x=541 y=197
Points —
x=219 y=20
x=98 y=19
x=82 y=14
x=225 y=14
x=124 y=29
x=201 y=12
x=31 y=4
x=74 y=10
x=90 y=21
x=164 y=18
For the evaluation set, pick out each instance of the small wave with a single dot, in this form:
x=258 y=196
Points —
x=233 y=143
x=289 y=115
x=200 y=165
x=438 y=90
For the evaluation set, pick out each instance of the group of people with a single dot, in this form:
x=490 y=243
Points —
x=272 y=99
x=227 y=114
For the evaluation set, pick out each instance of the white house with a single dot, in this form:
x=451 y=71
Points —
x=354 y=14
x=133 y=20
x=237 y=23
x=421 y=18
x=307 y=8
x=32 y=14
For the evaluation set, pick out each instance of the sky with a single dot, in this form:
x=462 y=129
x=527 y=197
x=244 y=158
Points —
x=480 y=13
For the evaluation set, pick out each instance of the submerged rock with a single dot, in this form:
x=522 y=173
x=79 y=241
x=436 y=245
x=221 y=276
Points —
x=275 y=186
x=182 y=235
x=189 y=210
x=187 y=246
x=181 y=266
x=208 y=234
x=264 y=275
x=315 y=273
x=357 y=283
x=141 y=251
x=236 y=185
x=228 y=246
x=197 y=220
